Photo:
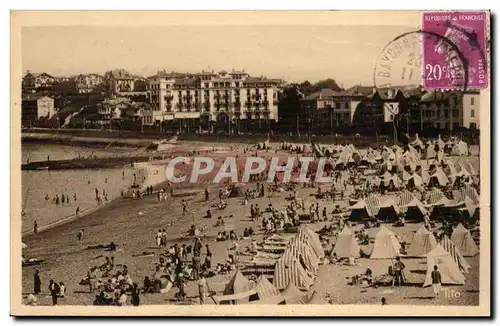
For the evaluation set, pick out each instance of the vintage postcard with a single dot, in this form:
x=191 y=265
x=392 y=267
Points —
x=190 y=163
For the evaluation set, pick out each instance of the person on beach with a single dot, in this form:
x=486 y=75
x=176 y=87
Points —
x=62 y=290
x=202 y=283
x=37 y=282
x=74 y=196
x=207 y=195
x=96 y=193
x=159 y=238
x=77 y=210
x=63 y=199
x=92 y=277
x=35 y=227
x=122 y=299
x=57 y=200
x=80 y=235
x=54 y=291
x=398 y=272
x=135 y=299
x=164 y=237
x=436 y=281
x=184 y=208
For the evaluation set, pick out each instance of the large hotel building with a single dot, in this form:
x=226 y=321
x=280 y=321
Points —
x=232 y=100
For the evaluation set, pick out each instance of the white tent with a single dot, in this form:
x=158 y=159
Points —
x=450 y=247
x=464 y=242
x=439 y=178
x=423 y=242
x=450 y=272
x=347 y=244
x=460 y=149
x=386 y=245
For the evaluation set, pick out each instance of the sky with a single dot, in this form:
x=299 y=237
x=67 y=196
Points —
x=346 y=53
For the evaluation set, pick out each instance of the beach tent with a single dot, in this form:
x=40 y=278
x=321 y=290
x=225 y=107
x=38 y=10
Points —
x=417 y=143
x=386 y=245
x=415 y=181
x=450 y=272
x=359 y=211
x=429 y=152
x=237 y=284
x=415 y=210
x=293 y=295
x=472 y=171
x=464 y=242
x=388 y=211
x=305 y=254
x=423 y=242
x=289 y=270
x=470 y=210
x=347 y=244
x=316 y=299
x=460 y=149
x=265 y=289
x=310 y=237
x=237 y=191
x=438 y=179
x=449 y=168
x=470 y=192
x=435 y=197
x=457 y=256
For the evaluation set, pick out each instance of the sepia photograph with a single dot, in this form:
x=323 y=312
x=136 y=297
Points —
x=250 y=163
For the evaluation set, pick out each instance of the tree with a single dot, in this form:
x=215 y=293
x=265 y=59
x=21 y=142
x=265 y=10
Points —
x=328 y=83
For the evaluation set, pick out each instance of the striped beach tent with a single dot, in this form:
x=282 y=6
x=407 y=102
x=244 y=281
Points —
x=435 y=197
x=372 y=204
x=265 y=289
x=450 y=247
x=469 y=191
x=289 y=270
x=450 y=272
x=309 y=236
x=404 y=199
x=304 y=253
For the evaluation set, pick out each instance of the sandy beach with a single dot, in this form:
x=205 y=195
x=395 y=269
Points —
x=132 y=225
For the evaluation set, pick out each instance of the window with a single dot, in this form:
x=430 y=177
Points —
x=206 y=85
x=472 y=114
x=446 y=113
x=471 y=101
x=337 y=105
x=346 y=105
x=473 y=126
x=455 y=113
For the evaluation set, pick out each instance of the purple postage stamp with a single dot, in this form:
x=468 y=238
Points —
x=457 y=59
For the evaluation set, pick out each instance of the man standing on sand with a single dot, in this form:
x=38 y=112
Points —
x=37 y=282
x=54 y=291
x=207 y=195
x=436 y=281
x=35 y=227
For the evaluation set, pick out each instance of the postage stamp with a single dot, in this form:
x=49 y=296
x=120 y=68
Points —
x=463 y=33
